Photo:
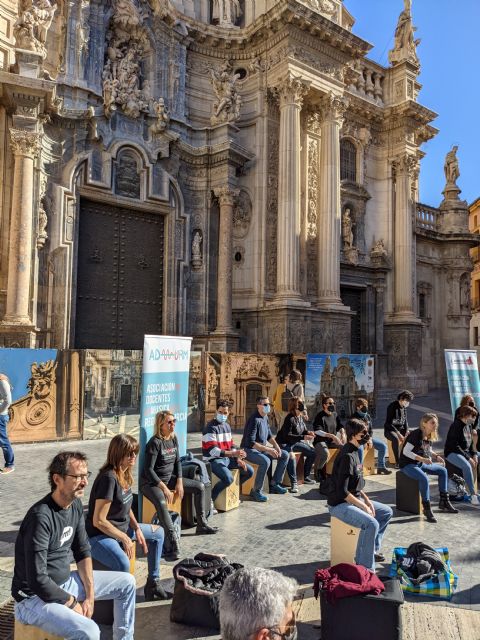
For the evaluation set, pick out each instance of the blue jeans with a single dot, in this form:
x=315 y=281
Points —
x=419 y=472
x=110 y=552
x=5 y=442
x=307 y=451
x=462 y=463
x=221 y=468
x=380 y=447
x=58 y=619
x=372 y=529
x=264 y=461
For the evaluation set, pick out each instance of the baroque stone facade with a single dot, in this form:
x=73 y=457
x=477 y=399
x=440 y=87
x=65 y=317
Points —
x=235 y=170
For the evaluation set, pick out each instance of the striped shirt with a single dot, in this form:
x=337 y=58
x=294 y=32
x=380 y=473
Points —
x=217 y=438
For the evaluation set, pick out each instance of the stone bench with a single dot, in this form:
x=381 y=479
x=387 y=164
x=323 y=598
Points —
x=343 y=541
x=229 y=498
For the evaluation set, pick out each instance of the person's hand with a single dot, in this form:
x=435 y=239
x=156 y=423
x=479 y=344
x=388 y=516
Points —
x=78 y=608
x=369 y=444
x=369 y=504
x=440 y=460
x=474 y=462
x=169 y=495
x=427 y=461
x=241 y=454
x=179 y=489
x=336 y=440
x=127 y=544
x=141 y=540
x=308 y=437
x=241 y=464
x=368 y=509
x=401 y=440
x=311 y=433
x=273 y=453
x=87 y=607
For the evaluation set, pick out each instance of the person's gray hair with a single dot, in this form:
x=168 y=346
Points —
x=252 y=599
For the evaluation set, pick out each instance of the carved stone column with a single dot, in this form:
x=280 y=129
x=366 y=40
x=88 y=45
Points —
x=405 y=167
x=332 y=109
x=290 y=94
x=226 y=197
x=26 y=147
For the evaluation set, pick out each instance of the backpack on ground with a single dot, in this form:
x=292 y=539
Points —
x=457 y=488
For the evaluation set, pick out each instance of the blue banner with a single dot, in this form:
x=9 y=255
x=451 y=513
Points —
x=462 y=376
x=166 y=364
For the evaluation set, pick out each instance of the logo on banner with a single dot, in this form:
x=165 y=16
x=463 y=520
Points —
x=168 y=354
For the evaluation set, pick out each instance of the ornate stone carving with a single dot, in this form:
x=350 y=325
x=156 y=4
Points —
x=378 y=251
x=84 y=27
x=226 y=195
x=312 y=203
x=127 y=175
x=406 y=163
x=163 y=118
x=291 y=89
x=226 y=107
x=123 y=83
x=333 y=107
x=242 y=215
x=272 y=205
x=197 y=249
x=25 y=143
x=405 y=46
x=31 y=28
x=226 y=12
x=42 y=214
x=325 y=7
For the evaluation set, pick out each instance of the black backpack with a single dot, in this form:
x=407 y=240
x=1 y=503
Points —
x=287 y=395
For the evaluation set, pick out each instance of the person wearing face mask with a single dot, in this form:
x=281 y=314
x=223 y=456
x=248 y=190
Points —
x=294 y=436
x=329 y=433
x=361 y=413
x=459 y=448
x=348 y=502
x=256 y=435
x=396 y=425
x=469 y=401
x=416 y=461
x=257 y=604
x=219 y=450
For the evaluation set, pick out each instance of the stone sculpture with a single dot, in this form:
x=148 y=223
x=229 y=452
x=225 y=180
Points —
x=197 y=240
x=347 y=230
x=451 y=168
x=405 y=46
x=31 y=28
x=226 y=108
x=226 y=12
x=162 y=115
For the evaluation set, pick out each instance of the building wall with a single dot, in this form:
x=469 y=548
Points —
x=474 y=226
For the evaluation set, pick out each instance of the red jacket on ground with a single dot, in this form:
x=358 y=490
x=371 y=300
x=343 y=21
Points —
x=345 y=580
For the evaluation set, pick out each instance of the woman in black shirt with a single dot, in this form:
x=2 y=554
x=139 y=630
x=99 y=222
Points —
x=329 y=433
x=294 y=436
x=395 y=428
x=460 y=448
x=161 y=479
x=416 y=461
x=348 y=502
x=110 y=523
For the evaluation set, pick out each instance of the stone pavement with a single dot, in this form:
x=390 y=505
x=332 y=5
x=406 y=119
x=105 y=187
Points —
x=290 y=533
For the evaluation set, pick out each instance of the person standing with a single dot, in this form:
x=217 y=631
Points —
x=348 y=502
x=277 y=401
x=396 y=425
x=48 y=594
x=219 y=450
x=459 y=449
x=5 y=402
x=256 y=435
x=361 y=413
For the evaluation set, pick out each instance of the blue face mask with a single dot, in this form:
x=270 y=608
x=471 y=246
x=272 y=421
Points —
x=221 y=417
x=266 y=408
x=364 y=414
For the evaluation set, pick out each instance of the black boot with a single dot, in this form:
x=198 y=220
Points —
x=153 y=590
x=427 y=511
x=445 y=504
x=203 y=528
x=173 y=552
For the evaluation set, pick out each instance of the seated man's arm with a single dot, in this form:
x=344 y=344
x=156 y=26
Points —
x=82 y=554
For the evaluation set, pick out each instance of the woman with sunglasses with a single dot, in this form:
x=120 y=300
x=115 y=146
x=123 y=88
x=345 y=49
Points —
x=161 y=480
x=111 y=524
x=348 y=502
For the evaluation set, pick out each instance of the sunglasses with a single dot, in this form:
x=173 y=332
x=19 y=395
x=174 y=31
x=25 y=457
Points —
x=173 y=421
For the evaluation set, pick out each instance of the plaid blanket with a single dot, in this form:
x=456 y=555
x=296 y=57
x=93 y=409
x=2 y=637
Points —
x=441 y=586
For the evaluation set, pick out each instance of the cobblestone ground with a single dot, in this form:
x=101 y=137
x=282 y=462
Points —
x=291 y=534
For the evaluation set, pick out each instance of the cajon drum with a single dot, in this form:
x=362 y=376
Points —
x=149 y=511
x=391 y=455
x=343 y=541
x=286 y=480
x=248 y=485
x=408 y=497
x=229 y=498
x=332 y=454
x=28 y=632
x=369 y=462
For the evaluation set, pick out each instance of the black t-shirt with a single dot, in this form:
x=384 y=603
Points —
x=162 y=460
x=421 y=447
x=327 y=423
x=347 y=475
x=107 y=487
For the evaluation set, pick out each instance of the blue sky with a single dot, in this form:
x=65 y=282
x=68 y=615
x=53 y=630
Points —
x=16 y=364
x=450 y=77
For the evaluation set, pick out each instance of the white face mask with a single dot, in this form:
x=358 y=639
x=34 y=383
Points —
x=406 y=403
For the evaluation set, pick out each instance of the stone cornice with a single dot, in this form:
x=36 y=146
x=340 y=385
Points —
x=227 y=151
x=410 y=110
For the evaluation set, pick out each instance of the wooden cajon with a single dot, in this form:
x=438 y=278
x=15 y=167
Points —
x=343 y=541
x=298 y=458
x=229 y=498
x=391 y=455
x=148 y=508
x=408 y=497
x=332 y=454
x=248 y=485
x=28 y=632
x=369 y=462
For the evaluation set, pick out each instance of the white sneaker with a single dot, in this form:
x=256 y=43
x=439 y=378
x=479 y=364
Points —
x=474 y=500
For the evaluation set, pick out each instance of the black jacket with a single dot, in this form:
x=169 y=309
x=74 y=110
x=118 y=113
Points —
x=459 y=439
x=347 y=475
x=396 y=420
x=328 y=423
x=293 y=430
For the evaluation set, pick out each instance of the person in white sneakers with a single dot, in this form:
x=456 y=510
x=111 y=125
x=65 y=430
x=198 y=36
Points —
x=459 y=449
x=5 y=402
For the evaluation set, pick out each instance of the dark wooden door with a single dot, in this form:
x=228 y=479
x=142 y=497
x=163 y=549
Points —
x=353 y=298
x=119 y=277
x=126 y=395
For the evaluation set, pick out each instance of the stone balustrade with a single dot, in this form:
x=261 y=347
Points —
x=426 y=217
x=366 y=79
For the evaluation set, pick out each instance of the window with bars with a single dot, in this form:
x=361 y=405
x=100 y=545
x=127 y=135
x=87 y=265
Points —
x=348 y=161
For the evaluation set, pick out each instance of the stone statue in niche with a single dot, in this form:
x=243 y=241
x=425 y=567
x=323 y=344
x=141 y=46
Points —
x=378 y=250
x=225 y=13
x=405 y=46
x=123 y=82
x=451 y=168
x=197 y=241
x=347 y=229
x=127 y=176
x=31 y=28
x=226 y=107
x=162 y=115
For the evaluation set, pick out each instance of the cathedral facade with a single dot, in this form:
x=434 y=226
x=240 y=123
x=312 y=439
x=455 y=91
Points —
x=235 y=170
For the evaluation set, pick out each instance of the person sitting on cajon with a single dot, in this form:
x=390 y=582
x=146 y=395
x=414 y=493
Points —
x=348 y=502
x=395 y=428
x=50 y=596
x=460 y=450
x=329 y=433
x=219 y=450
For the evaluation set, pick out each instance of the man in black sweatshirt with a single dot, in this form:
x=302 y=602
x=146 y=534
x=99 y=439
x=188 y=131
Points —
x=48 y=595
